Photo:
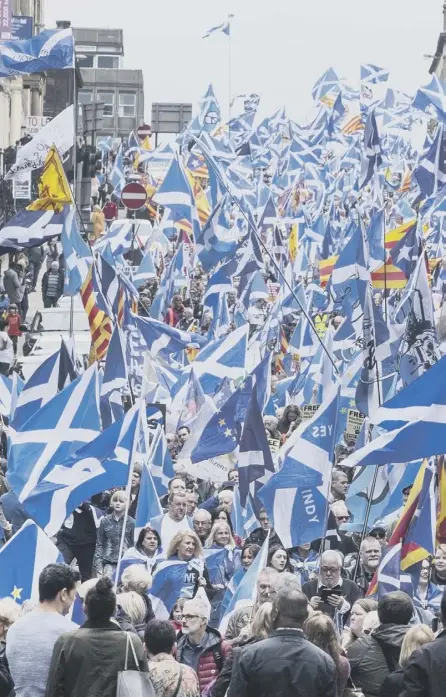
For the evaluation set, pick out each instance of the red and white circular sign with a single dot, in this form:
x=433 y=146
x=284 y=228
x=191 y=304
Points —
x=134 y=196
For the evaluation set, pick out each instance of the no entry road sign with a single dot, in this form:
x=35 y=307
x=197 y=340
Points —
x=134 y=196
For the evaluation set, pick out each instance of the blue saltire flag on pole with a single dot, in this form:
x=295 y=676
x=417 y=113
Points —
x=168 y=584
x=161 y=338
x=31 y=229
x=148 y=506
x=22 y=559
x=100 y=465
x=52 y=49
x=224 y=27
x=390 y=577
x=296 y=497
x=225 y=357
x=161 y=465
x=246 y=592
x=78 y=258
x=68 y=421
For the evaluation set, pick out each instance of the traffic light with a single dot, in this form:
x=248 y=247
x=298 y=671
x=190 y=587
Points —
x=95 y=161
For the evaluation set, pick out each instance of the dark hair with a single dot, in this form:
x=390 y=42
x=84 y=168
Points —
x=443 y=607
x=216 y=512
x=320 y=630
x=253 y=548
x=395 y=607
x=275 y=548
x=181 y=427
x=54 y=578
x=177 y=476
x=284 y=422
x=159 y=637
x=100 y=601
x=142 y=535
x=179 y=603
x=290 y=607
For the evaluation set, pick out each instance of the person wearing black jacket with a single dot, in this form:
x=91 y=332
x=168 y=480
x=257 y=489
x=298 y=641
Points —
x=77 y=538
x=286 y=663
x=425 y=673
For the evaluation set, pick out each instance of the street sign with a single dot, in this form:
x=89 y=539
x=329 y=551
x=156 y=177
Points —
x=35 y=123
x=144 y=131
x=134 y=196
x=21 y=186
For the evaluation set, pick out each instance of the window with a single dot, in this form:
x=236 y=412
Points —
x=85 y=61
x=85 y=97
x=127 y=104
x=108 y=62
x=108 y=98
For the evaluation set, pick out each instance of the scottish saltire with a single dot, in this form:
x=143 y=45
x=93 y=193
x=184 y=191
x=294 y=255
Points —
x=49 y=378
x=255 y=462
x=432 y=96
x=372 y=74
x=117 y=176
x=328 y=83
x=31 y=229
x=372 y=151
x=102 y=464
x=76 y=251
x=161 y=338
x=390 y=577
x=145 y=271
x=296 y=497
x=246 y=592
x=5 y=395
x=22 y=560
x=167 y=586
x=441 y=509
x=222 y=358
x=431 y=171
x=52 y=49
x=68 y=421
x=419 y=540
x=115 y=379
x=161 y=463
x=148 y=506
x=224 y=27
x=175 y=191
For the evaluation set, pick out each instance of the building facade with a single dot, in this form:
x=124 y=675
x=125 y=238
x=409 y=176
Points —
x=438 y=65
x=99 y=54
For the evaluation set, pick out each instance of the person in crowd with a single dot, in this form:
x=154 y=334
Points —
x=202 y=523
x=373 y=657
x=247 y=556
x=186 y=546
x=9 y=613
x=305 y=560
x=425 y=669
x=192 y=502
x=342 y=515
x=77 y=538
x=172 y=445
x=414 y=639
x=175 y=311
x=222 y=515
x=136 y=578
x=428 y=595
x=379 y=532
x=176 y=616
x=147 y=549
x=98 y=222
x=109 y=536
x=14 y=323
x=13 y=284
x=169 y=678
x=339 y=485
x=31 y=638
x=177 y=485
x=285 y=663
x=36 y=257
x=183 y=434
x=439 y=567
x=221 y=573
x=265 y=591
x=358 y=614
x=279 y=559
x=260 y=628
x=134 y=488
x=51 y=253
x=223 y=497
x=259 y=535
x=320 y=630
x=370 y=553
x=199 y=646
x=174 y=521
x=331 y=593
x=288 y=422
x=110 y=211
x=52 y=285
x=6 y=349
x=13 y=510
x=233 y=476
x=271 y=423
x=86 y=662
x=131 y=612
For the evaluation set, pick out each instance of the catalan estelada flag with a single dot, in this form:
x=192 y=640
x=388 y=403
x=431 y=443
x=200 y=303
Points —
x=325 y=269
x=419 y=540
x=388 y=276
x=441 y=511
x=100 y=324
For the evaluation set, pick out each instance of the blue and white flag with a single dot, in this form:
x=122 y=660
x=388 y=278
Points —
x=117 y=176
x=390 y=576
x=296 y=497
x=431 y=171
x=175 y=191
x=329 y=82
x=148 y=506
x=224 y=27
x=52 y=49
x=246 y=592
x=372 y=74
x=31 y=229
x=372 y=157
x=145 y=271
x=22 y=560
x=77 y=255
x=66 y=423
x=225 y=357
x=161 y=463
x=102 y=464
x=161 y=338
x=170 y=582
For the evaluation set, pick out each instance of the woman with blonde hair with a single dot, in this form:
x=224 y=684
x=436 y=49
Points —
x=98 y=220
x=222 y=565
x=131 y=609
x=360 y=609
x=109 y=536
x=136 y=578
x=185 y=546
x=321 y=631
x=415 y=638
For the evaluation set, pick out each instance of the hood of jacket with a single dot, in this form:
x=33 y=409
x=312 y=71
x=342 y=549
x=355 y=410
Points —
x=391 y=634
x=212 y=638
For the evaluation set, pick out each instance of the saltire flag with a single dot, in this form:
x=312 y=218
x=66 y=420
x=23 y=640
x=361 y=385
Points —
x=117 y=176
x=52 y=49
x=432 y=95
x=222 y=358
x=148 y=506
x=175 y=191
x=161 y=463
x=49 y=378
x=431 y=171
x=441 y=515
x=255 y=462
x=372 y=74
x=31 y=229
x=78 y=257
x=145 y=271
x=328 y=83
x=161 y=338
x=372 y=157
x=246 y=592
x=103 y=463
x=170 y=583
x=100 y=323
x=67 y=422
x=22 y=560
x=389 y=573
x=296 y=497
x=115 y=379
x=224 y=27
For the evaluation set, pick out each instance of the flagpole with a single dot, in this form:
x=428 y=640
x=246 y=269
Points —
x=230 y=16
x=74 y=177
